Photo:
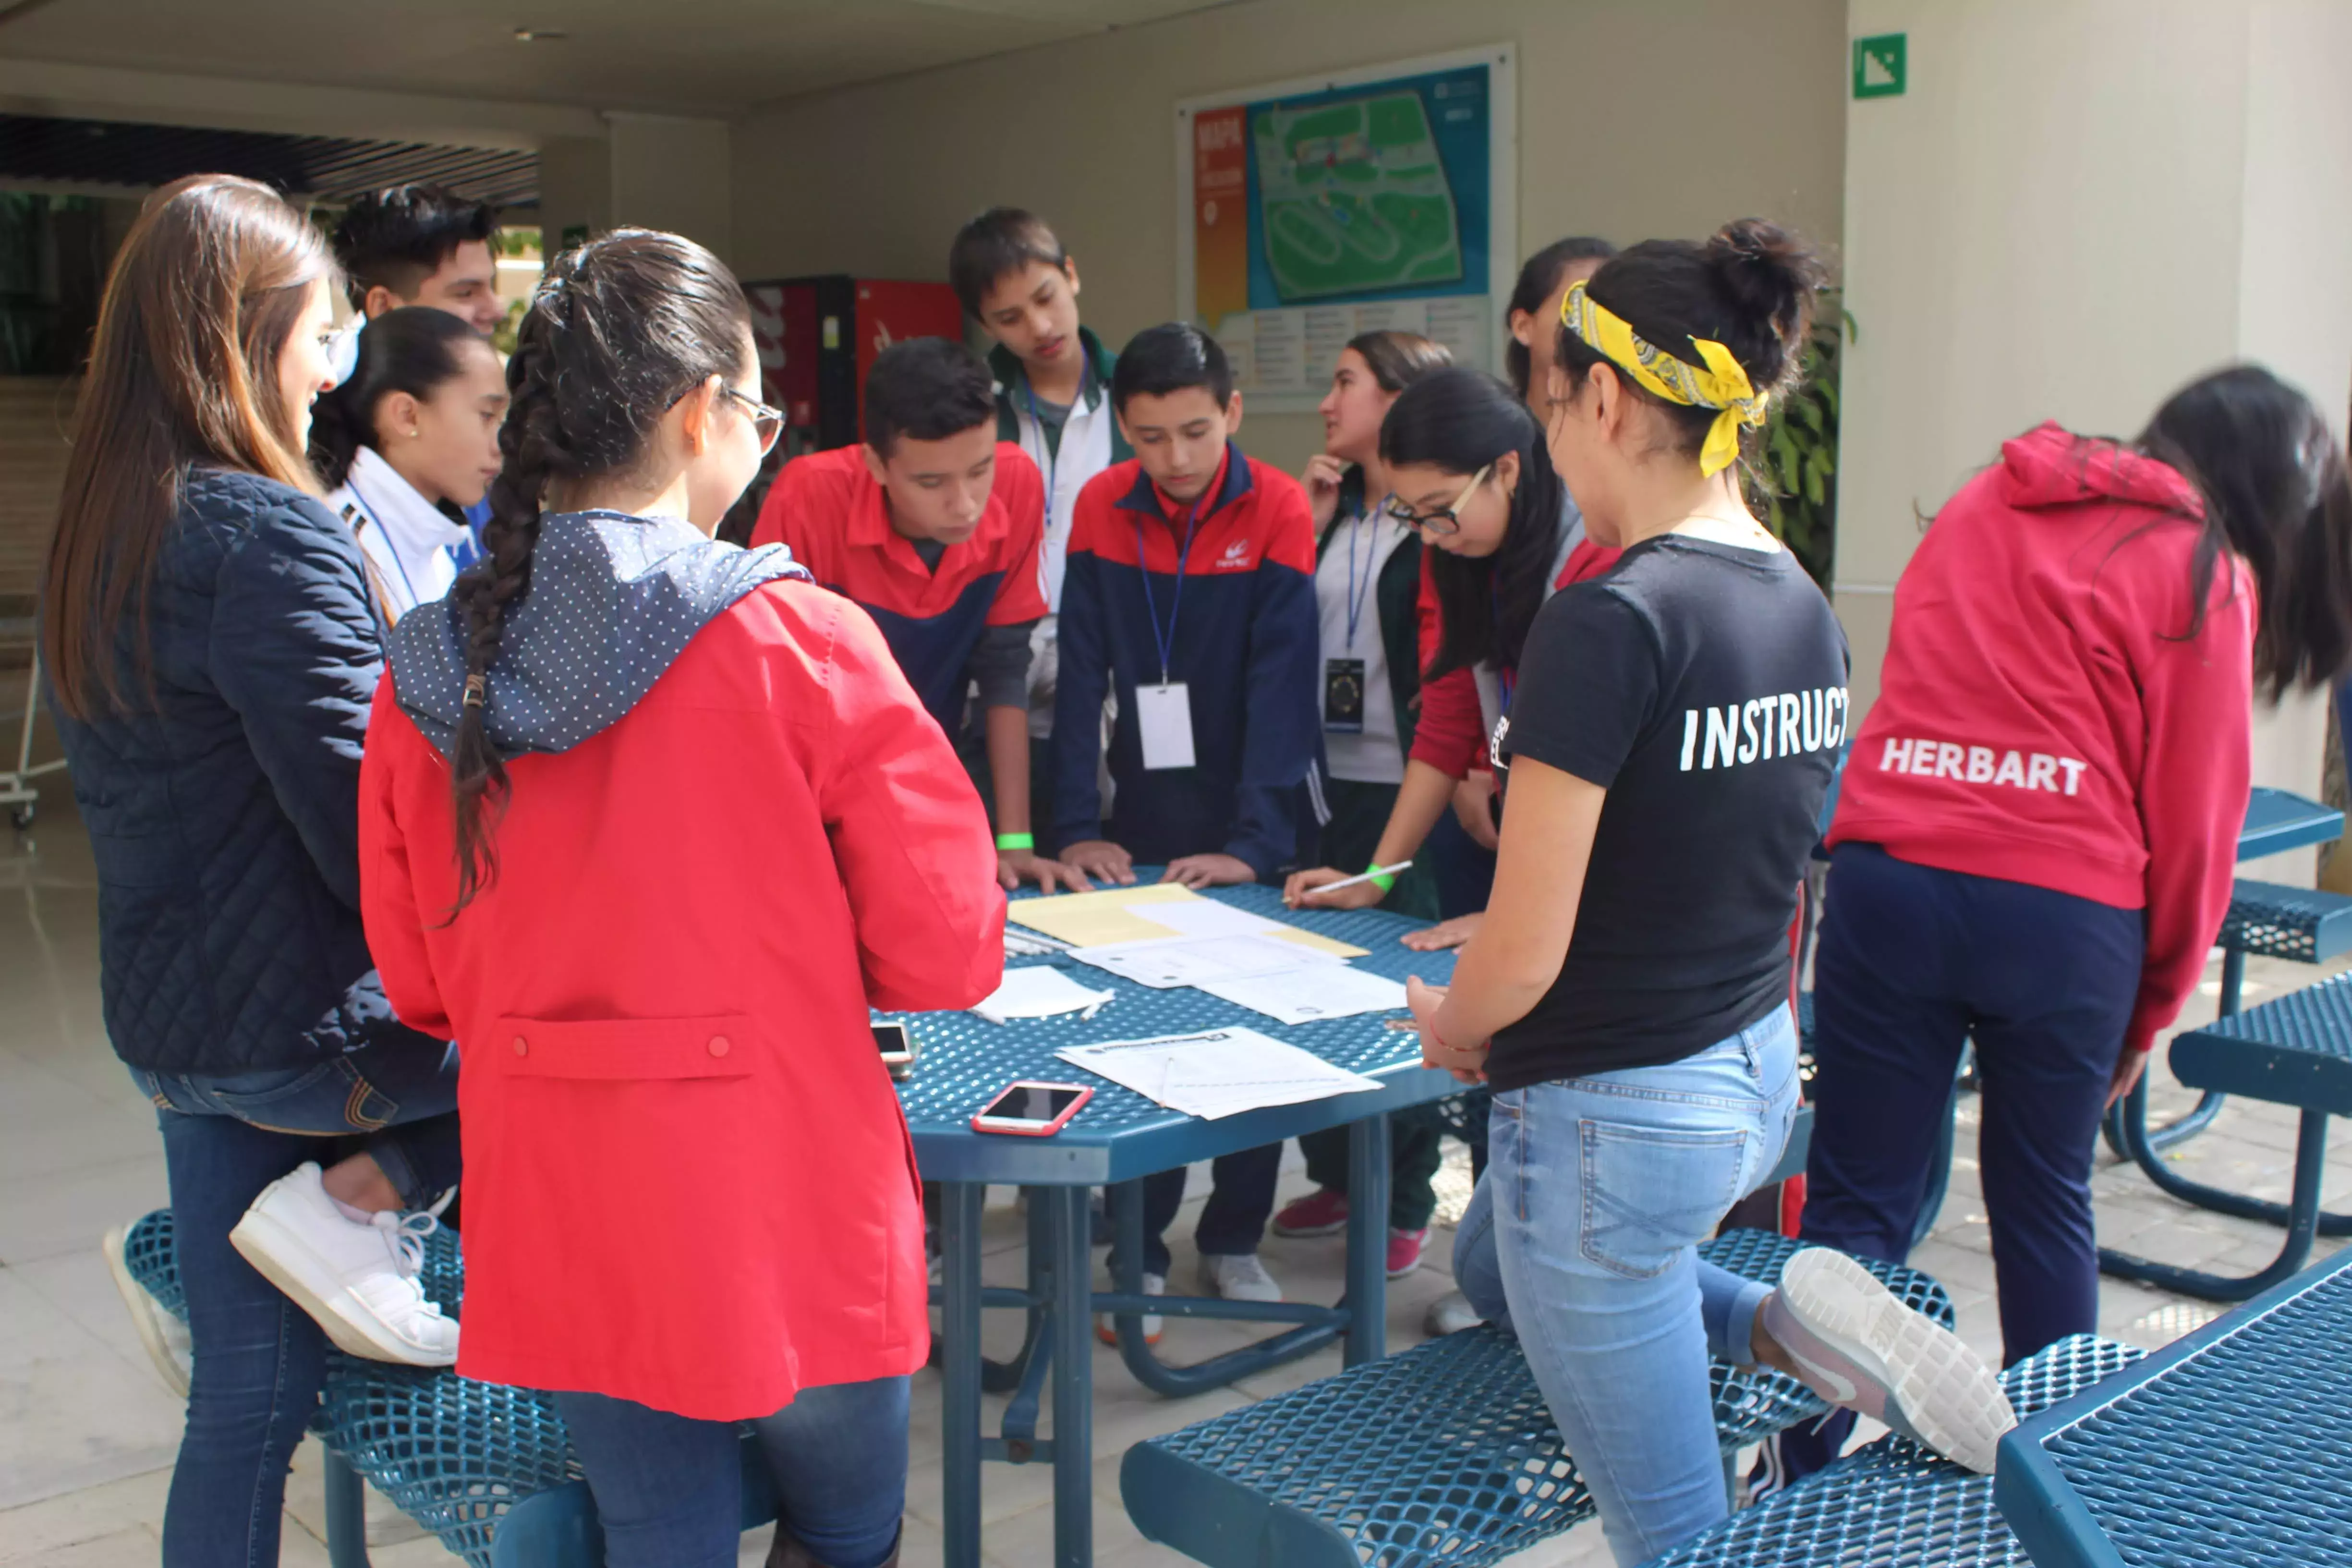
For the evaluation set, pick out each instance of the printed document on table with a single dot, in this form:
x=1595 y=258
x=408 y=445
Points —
x=1216 y=1072
x=1157 y=911
x=1311 y=994
x=1165 y=965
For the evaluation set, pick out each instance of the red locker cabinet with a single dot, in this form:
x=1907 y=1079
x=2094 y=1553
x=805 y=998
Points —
x=818 y=337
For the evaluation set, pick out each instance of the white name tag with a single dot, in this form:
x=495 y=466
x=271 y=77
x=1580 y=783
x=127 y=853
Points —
x=1164 y=716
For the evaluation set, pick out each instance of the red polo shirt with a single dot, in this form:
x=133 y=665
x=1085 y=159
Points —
x=835 y=518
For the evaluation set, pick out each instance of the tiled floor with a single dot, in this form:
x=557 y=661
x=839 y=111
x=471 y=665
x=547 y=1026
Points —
x=87 y=1432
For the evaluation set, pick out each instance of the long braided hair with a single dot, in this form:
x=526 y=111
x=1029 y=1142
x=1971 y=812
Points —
x=618 y=331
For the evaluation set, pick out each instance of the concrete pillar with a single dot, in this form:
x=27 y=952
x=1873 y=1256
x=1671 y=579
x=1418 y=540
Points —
x=2074 y=206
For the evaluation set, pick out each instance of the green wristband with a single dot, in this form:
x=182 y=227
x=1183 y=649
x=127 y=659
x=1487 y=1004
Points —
x=1384 y=880
x=1016 y=841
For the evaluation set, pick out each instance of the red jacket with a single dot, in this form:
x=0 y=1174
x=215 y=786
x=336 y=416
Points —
x=2039 y=718
x=1451 y=733
x=835 y=518
x=687 y=1179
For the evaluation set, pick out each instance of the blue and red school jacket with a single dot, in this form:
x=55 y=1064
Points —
x=1237 y=616
x=834 y=515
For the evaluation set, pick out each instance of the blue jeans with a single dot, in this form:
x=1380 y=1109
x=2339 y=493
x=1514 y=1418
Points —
x=1582 y=1239
x=259 y=1360
x=670 y=1489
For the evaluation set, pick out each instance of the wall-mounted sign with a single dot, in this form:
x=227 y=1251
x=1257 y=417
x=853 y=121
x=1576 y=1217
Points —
x=1309 y=211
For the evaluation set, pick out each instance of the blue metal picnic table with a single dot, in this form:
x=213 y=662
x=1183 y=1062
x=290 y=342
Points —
x=1117 y=1139
x=2227 y=1447
x=2277 y=821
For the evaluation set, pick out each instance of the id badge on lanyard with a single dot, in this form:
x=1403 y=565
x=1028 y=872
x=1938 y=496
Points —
x=1164 y=717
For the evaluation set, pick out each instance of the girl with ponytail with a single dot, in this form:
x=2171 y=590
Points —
x=651 y=822
x=1666 y=753
x=408 y=442
x=2037 y=831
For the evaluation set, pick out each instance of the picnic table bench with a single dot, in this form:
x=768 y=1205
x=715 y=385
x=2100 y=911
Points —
x=1893 y=1502
x=2294 y=1050
x=1442 y=1454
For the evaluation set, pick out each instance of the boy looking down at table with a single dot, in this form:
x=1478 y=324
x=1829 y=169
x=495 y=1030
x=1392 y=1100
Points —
x=1189 y=594
x=932 y=526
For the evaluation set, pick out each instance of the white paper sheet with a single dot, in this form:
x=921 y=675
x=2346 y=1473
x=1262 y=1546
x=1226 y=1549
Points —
x=1216 y=1072
x=1190 y=961
x=1039 y=991
x=1207 y=916
x=1309 y=995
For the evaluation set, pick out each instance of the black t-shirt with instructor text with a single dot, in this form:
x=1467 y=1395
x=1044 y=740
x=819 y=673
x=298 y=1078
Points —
x=1703 y=686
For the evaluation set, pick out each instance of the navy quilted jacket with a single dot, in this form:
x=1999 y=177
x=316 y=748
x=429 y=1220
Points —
x=225 y=815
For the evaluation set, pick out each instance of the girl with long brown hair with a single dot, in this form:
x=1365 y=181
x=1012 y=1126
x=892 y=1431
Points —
x=211 y=652
x=654 y=820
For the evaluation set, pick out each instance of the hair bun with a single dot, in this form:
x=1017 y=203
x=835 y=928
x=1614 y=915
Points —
x=1769 y=274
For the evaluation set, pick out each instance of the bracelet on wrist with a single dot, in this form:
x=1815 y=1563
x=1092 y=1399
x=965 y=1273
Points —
x=1384 y=880
x=1016 y=841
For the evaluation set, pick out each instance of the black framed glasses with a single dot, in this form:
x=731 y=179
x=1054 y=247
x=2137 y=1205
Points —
x=766 y=423
x=1445 y=520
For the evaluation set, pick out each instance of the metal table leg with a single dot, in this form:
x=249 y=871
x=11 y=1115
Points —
x=346 y=1514
x=1367 y=1300
x=2302 y=1216
x=1071 y=1318
x=960 y=1205
x=2141 y=1144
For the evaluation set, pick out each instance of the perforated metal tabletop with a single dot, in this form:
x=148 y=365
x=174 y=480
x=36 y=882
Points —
x=1120 y=1135
x=2234 y=1446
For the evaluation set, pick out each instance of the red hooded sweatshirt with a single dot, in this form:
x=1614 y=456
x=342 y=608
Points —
x=2042 y=717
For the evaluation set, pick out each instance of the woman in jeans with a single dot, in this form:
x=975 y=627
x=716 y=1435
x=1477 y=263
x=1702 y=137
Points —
x=1665 y=755
x=655 y=820
x=211 y=652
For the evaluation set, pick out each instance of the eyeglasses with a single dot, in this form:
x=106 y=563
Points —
x=1445 y=520
x=766 y=423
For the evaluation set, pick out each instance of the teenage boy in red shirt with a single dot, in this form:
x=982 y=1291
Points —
x=932 y=526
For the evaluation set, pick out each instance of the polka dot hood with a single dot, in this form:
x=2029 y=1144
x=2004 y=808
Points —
x=613 y=600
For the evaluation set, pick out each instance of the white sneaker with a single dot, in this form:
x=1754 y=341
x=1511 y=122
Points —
x=1106 y=1326
x=1238 y=1276
x=1449 y=1314
x=359 y=1281
x=164 y=1335
x=1856 y=1345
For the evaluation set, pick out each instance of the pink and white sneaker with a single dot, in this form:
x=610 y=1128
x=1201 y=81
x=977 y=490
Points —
x=1858 y=1346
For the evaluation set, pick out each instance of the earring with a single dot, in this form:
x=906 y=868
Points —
x=412 y=434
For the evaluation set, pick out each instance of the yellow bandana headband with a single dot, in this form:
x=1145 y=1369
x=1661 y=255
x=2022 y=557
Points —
x=1723 y=384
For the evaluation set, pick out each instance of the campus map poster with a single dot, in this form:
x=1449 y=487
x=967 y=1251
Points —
x=1313 y=210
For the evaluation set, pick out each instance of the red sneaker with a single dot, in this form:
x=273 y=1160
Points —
x=1404 y=1251
x=1322 y=1212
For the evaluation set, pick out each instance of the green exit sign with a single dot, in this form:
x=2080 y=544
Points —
x=1879 y=67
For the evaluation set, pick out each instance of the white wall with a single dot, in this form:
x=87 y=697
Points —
x=2078 y=205
x=1635 y=119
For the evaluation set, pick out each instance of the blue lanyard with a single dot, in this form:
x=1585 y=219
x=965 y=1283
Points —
x=1355 y=599
x=389 y=543
x=1151 y=601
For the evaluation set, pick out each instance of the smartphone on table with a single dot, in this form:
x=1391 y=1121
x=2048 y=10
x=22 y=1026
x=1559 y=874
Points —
x=1033 y=1109
x=897 y=1044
